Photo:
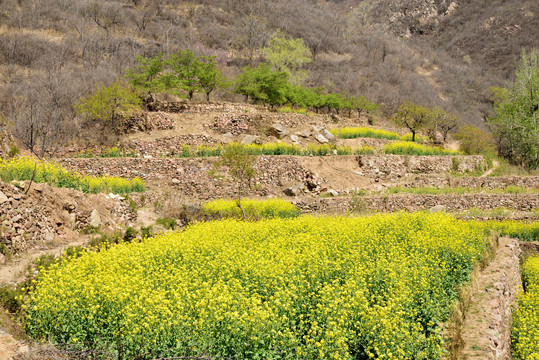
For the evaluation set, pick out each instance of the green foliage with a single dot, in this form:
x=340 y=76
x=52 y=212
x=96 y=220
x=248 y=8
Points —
x=288 y=55
x=209 y=76
x=474 y=140
x=13 y=151
x=184 y=70
x=254 y=209
x=311 y=288
x=412 y=116
x=262 y=84
x=107 y=102
x=516 y=123
x=51 y=173
x=407 y=148
x=167 y=223
x=147 y=72
x=239 y=165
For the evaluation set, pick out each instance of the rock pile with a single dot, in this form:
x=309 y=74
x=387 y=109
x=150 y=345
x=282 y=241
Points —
x=169 y=146
x=146 y=122
x=45 y=213
x=232 y=123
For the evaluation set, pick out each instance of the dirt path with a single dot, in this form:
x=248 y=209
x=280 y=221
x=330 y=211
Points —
x=487 y=326
x=495 y=165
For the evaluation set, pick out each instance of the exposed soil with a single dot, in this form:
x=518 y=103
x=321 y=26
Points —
x=487 y=326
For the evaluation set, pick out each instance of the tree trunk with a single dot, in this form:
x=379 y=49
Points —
x=208 y=96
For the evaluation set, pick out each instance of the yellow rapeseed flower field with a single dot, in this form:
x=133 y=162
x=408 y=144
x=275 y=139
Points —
x=525 y=332
x=302 y=288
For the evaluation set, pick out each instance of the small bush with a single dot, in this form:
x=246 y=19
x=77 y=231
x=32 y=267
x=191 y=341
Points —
x=167 y=223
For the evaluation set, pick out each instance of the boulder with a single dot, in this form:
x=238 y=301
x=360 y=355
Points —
x=294 y=190
x=327 y=135
x=331 y=192
x=3 y=198
x=95 y=219
x=248 y=139
x=321 y=139
x=279 y=131
x=294 y=138
x=437 y=208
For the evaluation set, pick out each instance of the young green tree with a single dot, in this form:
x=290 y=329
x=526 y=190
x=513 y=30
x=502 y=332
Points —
x=146 y=75
x=239 y=165
x=107 y=102
x=516 y=123
x=288 y=55
x=263 y=84
x=412 y=116
x=209 y=76
x=474 y=140
x=184 y=70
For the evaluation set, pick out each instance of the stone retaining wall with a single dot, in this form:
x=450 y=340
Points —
x=521 y=202
x=528 y=182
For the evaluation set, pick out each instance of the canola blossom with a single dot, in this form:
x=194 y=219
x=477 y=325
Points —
x=55 y=175
x=302 y=288
x=525 y=331
x=267 y=209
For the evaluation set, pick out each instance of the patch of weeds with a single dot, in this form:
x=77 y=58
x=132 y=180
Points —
x=455 y=164
x=130 y=234
x=146 y=231
x=167 y=223
x=132 y=204
x=11 y=298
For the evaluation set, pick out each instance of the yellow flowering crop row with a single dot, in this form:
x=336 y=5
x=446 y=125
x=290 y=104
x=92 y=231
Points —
x=268 y=209
x=303 y=288
x=408 y=148
x=525 y=332
x=524 y=231
x=47 y=172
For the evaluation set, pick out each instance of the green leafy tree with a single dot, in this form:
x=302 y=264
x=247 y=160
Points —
x=147 y=74
x=288 y=55
x=412 y=116
x=209 y=76
x=263 y=84
x=239 y=165
x=184 y=70
x=107 y=102
x=515 y=124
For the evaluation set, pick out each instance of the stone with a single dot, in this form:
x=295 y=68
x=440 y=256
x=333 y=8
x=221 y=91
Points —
x=327 y=135
x=279 y=131
x=294 y=190
x=95 y=219
x=176 y=181
x=2 y=259
x=294 y=138
x=321 y=139
x=16 y=219
x=304 y=134
x=3 y=198
x=437 y=208
x=331 y=192
x=248 y=139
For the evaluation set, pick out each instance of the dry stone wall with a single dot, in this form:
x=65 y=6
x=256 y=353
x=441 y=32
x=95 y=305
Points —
x=191 y=176
x=521 y=202
x=528 y=182
x=46 y=213
x=395 y=167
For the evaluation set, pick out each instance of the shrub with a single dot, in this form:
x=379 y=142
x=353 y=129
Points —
x=167 y=223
